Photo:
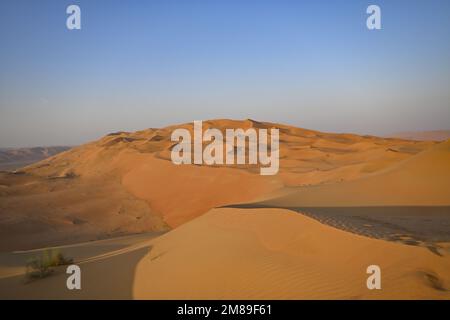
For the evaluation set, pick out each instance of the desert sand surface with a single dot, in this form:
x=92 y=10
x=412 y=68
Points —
x=422 y=180
x=125 y=183
x=241 y=254
x=408 y=202
x=107 y=270
x=278 y=254
x=141 y=227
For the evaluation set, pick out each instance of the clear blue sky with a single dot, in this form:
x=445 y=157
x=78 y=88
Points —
x=138 y=64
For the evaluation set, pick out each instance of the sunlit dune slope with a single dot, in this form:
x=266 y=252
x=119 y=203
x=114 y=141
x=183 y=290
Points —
x=278 y=254
x=422 y=180
x=126 y=183
x=233 y=253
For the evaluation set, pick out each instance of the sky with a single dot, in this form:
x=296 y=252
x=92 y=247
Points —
x=139 y=64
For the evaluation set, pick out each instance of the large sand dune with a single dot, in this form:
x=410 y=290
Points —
x=125 y=183
x=227 y=232
x=408 y=202
x=277 y=254
x=241 y=254
x=422 y=180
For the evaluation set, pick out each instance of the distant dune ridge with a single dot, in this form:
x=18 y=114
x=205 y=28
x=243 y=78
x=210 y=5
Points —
x=436 y=135
x=235 y=233
x=14 y=158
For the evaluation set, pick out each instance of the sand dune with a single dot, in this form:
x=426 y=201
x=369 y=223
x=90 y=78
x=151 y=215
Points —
x=244 y=254
x=422 y=180
x=436 y=135
x=226 y=232
x=125 y=183
x=277 y=254
x=408 y=202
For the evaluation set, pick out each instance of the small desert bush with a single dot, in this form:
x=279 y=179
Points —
x=42 y=266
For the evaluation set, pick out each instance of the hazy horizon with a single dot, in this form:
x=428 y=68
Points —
x=312 y=65
x=391 y=134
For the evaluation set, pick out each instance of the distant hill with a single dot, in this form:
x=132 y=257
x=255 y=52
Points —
x=437 y=135
x=14 y=158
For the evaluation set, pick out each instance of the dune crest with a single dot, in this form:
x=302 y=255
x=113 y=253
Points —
x=278 y=254
x=435 y=135
x=421 y=180
x=260 y=244
x=125 y=182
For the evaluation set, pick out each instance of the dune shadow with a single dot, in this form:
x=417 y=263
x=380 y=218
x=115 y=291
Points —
x=108 y=278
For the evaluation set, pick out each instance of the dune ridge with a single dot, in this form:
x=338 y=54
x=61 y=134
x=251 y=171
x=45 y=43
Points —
x=125 y=183
x=14 y=158
x=434 y=135
x=408 y=202
x=420 y=180
x=231 y=253
x=228 y=233
x=277 y=254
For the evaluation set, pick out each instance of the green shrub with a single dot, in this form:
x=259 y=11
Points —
x=41 y=267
